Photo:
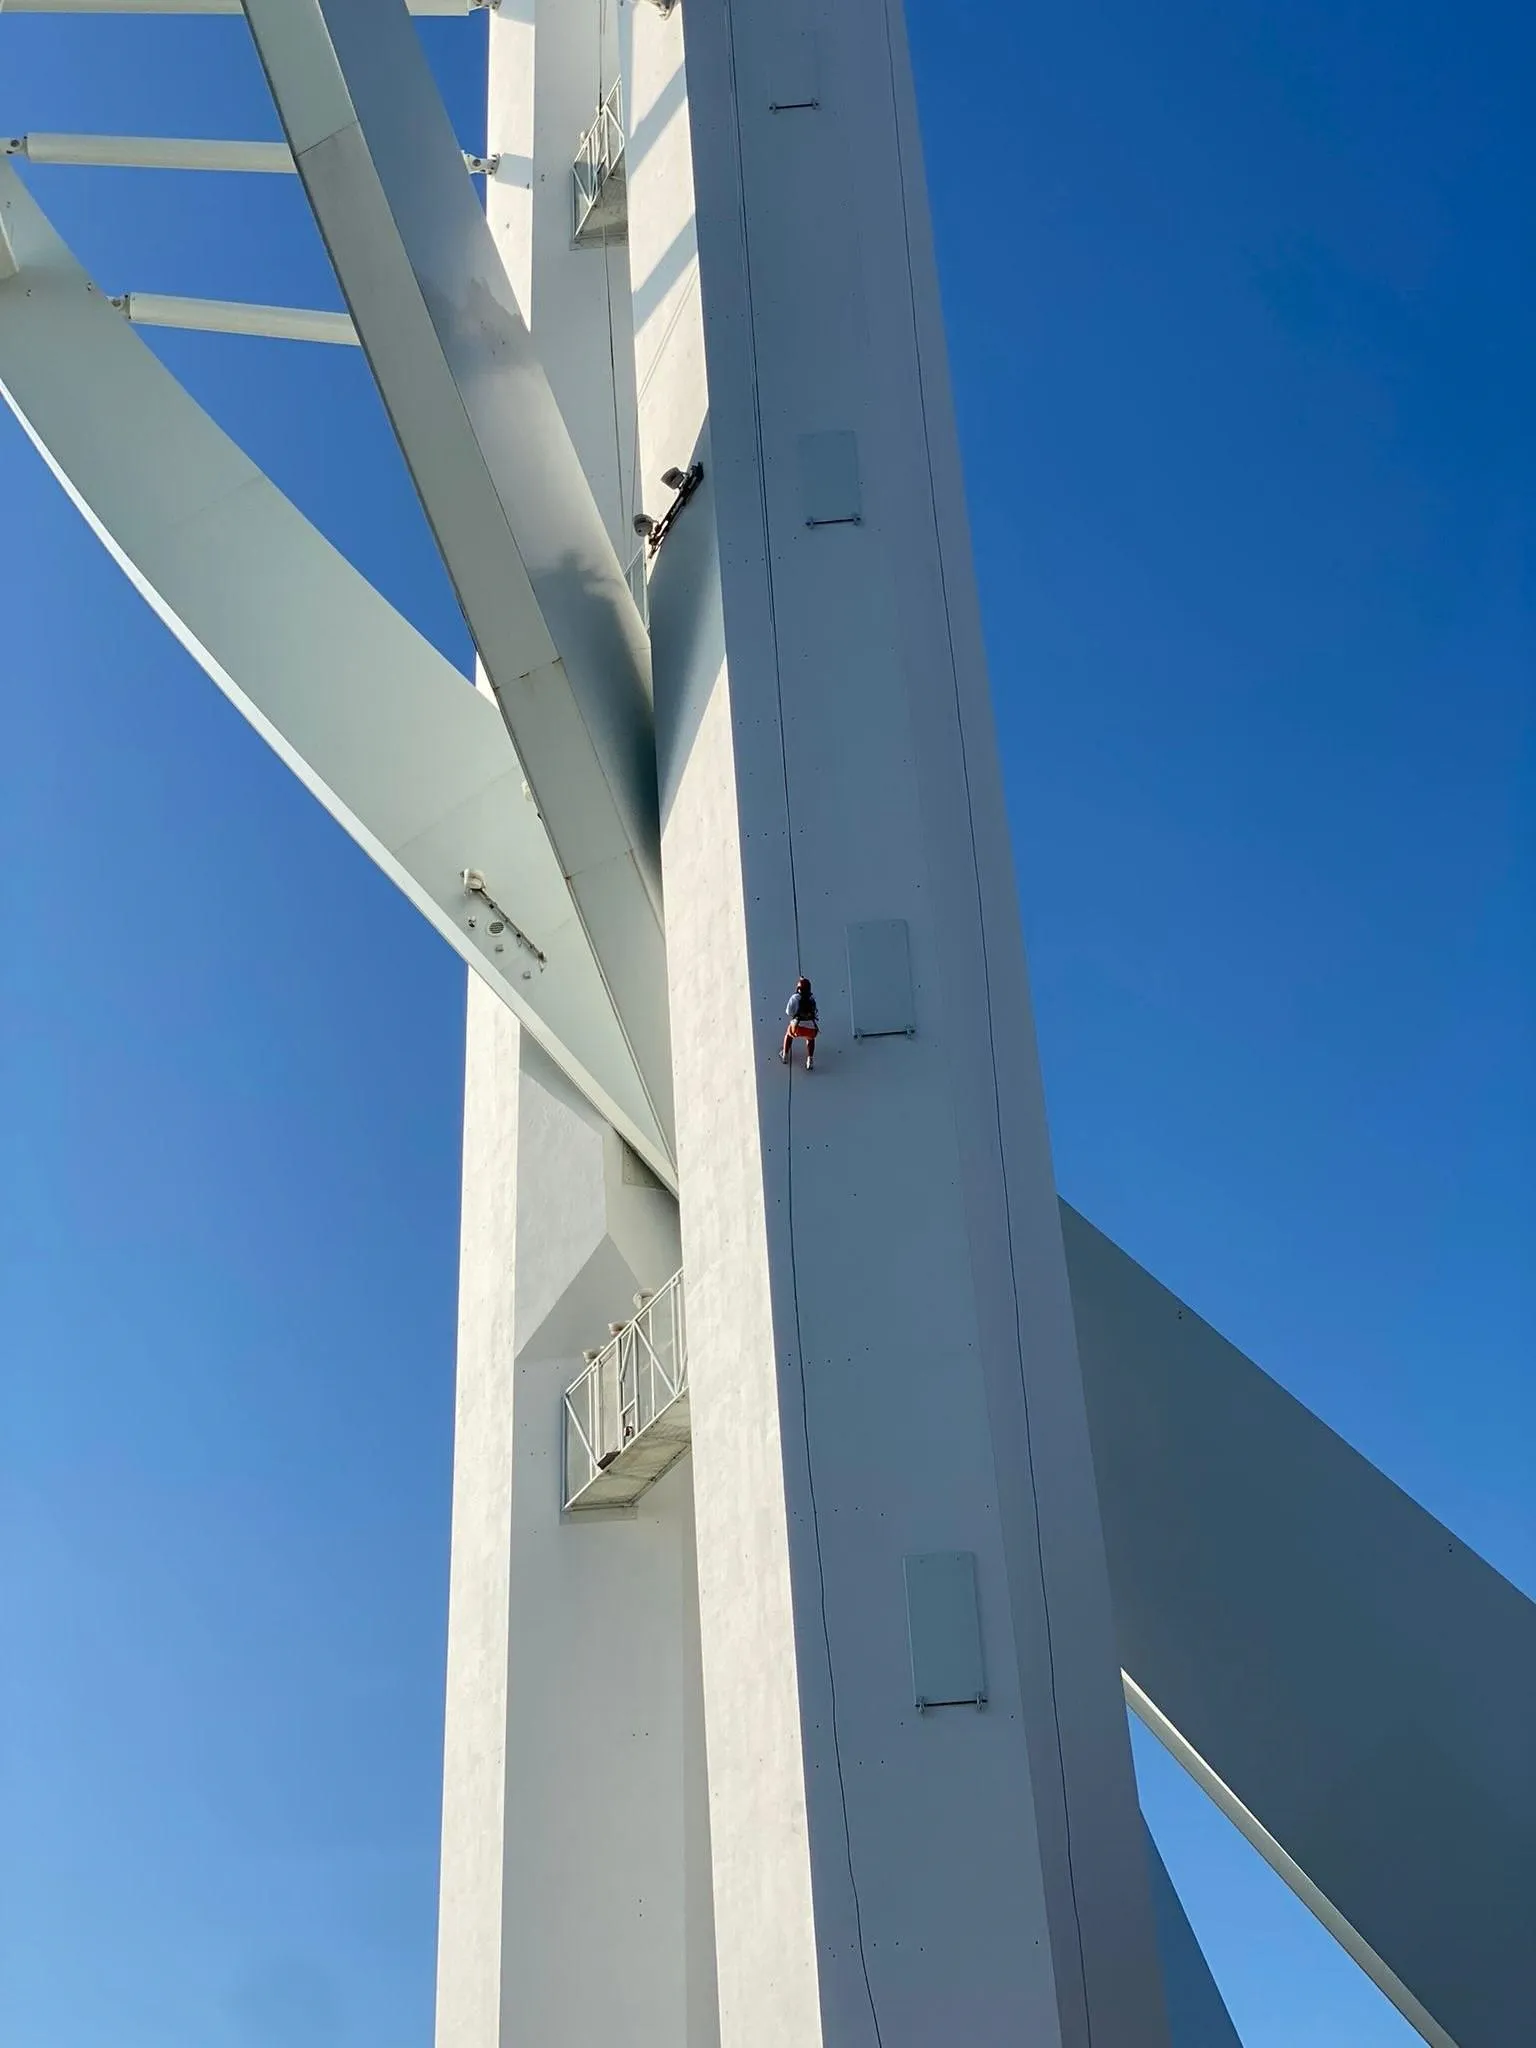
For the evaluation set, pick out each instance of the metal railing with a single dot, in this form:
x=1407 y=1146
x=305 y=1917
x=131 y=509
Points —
x=597 y=159
x=634 y=1379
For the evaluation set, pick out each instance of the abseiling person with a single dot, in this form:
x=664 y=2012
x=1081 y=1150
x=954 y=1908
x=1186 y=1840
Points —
x=801 y=1012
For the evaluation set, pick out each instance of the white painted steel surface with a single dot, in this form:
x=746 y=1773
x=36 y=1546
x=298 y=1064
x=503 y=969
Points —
x=521 y=535
x=580 y=297
x=827 y=756
x=391 y=739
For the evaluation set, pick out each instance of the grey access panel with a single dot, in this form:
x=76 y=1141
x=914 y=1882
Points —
x=791 y=68
x=829 y=479
x=880 y=979
x=944 y=1628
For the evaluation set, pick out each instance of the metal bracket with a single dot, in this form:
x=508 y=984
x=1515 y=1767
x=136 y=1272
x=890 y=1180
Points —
x=656 y=530
x=474 y=885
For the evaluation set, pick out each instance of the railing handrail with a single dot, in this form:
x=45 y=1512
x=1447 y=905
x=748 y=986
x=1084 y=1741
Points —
x=646 y=1362
x=599 y=151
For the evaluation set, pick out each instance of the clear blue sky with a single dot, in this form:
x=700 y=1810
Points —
x=1241 y=314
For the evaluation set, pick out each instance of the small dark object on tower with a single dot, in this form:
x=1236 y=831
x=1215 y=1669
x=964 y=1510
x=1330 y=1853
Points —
x=684 y=482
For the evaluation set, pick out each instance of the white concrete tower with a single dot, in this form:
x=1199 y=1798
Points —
x=886 y=1403
x=783 y=1709
x=575 y=1901
x=924 y=1825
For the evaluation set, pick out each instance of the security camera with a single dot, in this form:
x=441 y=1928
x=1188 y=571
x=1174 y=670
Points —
x=674 y=478
x=643 y=524
x=474 y=882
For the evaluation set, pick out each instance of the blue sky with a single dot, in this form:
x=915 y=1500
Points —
x=1241 y=316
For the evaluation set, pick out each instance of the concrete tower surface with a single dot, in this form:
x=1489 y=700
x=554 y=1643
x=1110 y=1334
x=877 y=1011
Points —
x=575 y=1898
x=921 y=1816
x=924 y=1823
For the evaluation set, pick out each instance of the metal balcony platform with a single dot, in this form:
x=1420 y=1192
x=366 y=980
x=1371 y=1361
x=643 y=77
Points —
x=600 y=193
x=626 y=1415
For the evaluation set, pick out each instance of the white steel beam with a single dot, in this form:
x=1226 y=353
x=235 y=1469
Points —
x=236 y=316
x=398 y=746
x=546 y=598
x=172 y=153
x=152 y=152
x=1347 y=1681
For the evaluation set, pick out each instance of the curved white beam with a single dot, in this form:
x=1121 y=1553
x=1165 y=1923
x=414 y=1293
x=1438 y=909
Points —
x=396 y=744
x=535 y=569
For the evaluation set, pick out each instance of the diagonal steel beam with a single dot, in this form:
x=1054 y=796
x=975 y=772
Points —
x=397 y=745
x=1344 y=1678
x=535 y=570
